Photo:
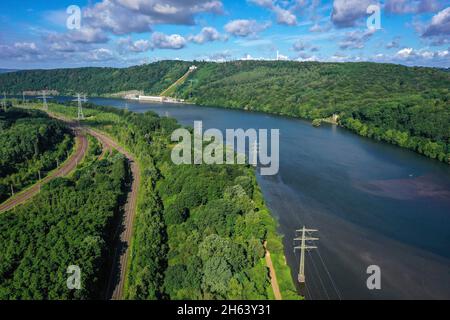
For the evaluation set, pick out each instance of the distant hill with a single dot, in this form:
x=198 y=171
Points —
x=152 y=78
x=406 y=106
x=8 y=70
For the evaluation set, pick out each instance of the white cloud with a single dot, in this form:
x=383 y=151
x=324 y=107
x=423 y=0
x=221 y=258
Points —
x=87 y=35
x=408 y=53
x=306 y=57
x=207 y=34
x=162 y=41
x=316 y=27
x=411 y=6
x=20 y=51
x=262 y=3
x=128 y=16
x=283 y=15
x=347 y=12
x=405 y=52
x=248 y=57
x=245 y=28
x=443 y=53
x=101 y=54
x=75 y=40
x=416 y=57
x=356 y=39
x=134 y=46
x=300 y=46
x=217 y=57
x=439 y=25
x=29 y=47
x=395 y=43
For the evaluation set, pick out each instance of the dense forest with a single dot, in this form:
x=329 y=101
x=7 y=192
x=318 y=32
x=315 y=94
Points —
x=216 y=226
x=30 y=142
x=199 y=230
x=405 y=106
x=409 y=107
x=152 y=78
x=69 y=223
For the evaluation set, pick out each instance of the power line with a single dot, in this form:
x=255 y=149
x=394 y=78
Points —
x=308 y=293
x=318 y=274
x=313 y=287
x=329 y=275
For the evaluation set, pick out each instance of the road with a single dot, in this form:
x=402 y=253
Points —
x=273 y=276
x=63 y=170
x=116 y=281
x=117 y=277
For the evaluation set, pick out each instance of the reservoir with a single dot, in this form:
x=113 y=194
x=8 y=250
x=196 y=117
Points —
x=372 y=203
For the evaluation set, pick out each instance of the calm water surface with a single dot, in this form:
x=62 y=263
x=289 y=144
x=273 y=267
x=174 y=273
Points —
x=373 y=204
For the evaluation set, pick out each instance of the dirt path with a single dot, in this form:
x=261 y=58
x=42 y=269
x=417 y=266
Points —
x=117 y=277
x=63 y=170
x=273 y=276
x=176 y=83
x=105 y=151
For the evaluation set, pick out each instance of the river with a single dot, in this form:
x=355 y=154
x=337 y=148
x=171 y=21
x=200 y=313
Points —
x=373 y=204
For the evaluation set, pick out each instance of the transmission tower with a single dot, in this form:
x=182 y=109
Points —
x=304 y=238
x=80 y=108
x=23 y=97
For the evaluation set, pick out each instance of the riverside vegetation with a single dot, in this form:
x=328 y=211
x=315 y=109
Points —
x=405 y=106
x=70 y=222
x=30 y=142
x=198 y=234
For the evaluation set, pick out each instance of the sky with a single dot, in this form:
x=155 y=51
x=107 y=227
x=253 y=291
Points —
x=120 y=33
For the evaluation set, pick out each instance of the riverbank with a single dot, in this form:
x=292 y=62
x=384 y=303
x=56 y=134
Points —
x=427 y=147
x=324 y=182
x=403 y=106
x=150 y=185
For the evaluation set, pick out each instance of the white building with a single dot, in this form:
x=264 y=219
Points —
x=151 y=98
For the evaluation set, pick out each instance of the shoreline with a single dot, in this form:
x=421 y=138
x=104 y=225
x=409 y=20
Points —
x=284 y=115
x=280 y=270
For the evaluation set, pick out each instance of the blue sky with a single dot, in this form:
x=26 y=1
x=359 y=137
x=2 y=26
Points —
x=119 y=33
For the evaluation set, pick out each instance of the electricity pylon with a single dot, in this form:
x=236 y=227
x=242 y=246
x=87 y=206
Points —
x=303 y=246
x=80 y=108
